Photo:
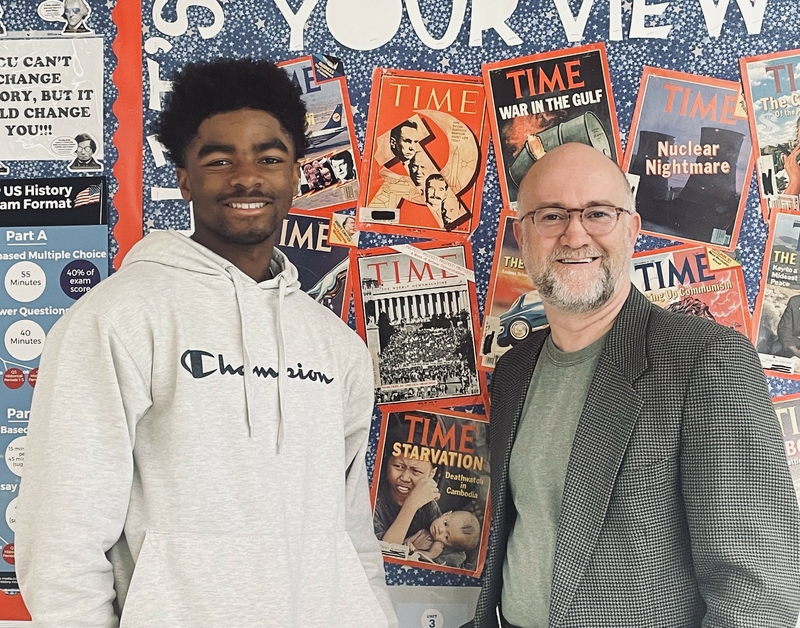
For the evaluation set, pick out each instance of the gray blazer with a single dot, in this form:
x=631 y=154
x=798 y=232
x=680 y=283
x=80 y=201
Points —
x=678 y=506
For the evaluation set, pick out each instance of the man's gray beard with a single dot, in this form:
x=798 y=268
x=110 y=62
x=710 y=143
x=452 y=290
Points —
x=554 y=292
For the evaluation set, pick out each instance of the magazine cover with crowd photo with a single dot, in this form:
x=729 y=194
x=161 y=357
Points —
x=776 y=318
x=329 y=170
x=430 y=491
x=417 y=311
x=424 y=155
x=772 y=94
x=694 y=280
x=690 y=149
x=787 y=408
x=513 y=307
x=541 y=101
x=322 y=269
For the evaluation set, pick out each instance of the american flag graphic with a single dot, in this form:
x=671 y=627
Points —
x=88 y=196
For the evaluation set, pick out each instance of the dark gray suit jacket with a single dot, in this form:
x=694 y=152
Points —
x=678 y=506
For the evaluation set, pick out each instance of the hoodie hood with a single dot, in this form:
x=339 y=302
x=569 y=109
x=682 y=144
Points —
x=171 y=248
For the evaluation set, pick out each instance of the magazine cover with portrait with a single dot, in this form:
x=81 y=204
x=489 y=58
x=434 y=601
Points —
x=417 y=311
x=787 y=408
x=773 y=102
x=424 y=155
x=513 y=309
x=322 y=269
x=691 y=153
x=430 y=491
x=776 y=318
x=694 y=280
x=541 y=101
x=329 y=170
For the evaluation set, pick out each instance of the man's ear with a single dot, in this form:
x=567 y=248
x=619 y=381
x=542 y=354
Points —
x=433 y=472
x=518 y=235
x=183 y=184
x=296 y=175
x=634 y=225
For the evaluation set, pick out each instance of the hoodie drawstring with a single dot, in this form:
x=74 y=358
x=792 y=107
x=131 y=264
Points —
x=281 y=362
x=248 y=367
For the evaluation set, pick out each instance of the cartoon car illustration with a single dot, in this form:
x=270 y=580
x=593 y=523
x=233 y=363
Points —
x=517 y=322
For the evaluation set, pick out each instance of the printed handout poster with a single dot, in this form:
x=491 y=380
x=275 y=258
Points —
x=417 y=311
x=329 y=170
x=424 y=155
x=694 y=280
x=322 y=269
x=772 y=93
x=776 y=318
x=513 y=307
x=54 y=105
x=436 y=463
x=45 y=269
x=539 y=102
x=787 y=408
x=690 y=147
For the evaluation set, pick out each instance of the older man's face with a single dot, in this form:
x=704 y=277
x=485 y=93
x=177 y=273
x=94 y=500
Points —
x=575 y=272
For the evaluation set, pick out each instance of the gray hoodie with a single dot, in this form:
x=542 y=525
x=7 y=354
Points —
x=195 y=455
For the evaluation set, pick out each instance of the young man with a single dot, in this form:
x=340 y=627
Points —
x=196 y=447
x=638 y=471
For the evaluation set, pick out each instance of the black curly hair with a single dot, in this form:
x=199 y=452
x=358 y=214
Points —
x=203 y=89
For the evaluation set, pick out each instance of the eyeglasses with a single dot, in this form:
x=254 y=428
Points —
x=596 y=219
x=83 y=149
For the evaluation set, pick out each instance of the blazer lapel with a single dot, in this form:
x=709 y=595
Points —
x=606 y=423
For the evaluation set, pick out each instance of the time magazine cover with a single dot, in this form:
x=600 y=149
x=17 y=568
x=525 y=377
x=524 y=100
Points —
x=513 y=307
x=776 y=318
x=416 y=309
x=772 y=94
x=543 y=100
x=329 y=171
x=690 y=149
x=694 y=280
x=787 y=408
x=424 y=155
x=430 y=491
x=322 y=269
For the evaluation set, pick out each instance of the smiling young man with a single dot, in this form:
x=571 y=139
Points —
x=638 y=473
x=184 y=406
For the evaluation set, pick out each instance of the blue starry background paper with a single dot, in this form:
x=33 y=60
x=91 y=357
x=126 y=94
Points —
x=257 y=28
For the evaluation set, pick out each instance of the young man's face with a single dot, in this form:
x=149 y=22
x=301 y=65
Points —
x=241 y=174
x=403 y=474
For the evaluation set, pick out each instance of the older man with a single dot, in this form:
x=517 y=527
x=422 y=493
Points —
x=639 y=475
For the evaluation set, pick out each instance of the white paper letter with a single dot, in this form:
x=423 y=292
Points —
x=181 y=23
x=753 y=14
x=714 y=15
x=574 y=26
x=156 y=85
x=615 y=20
x=640 y=11
x=456 y=21
x=363 y=24
x=488 y=14
x=296 y=21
